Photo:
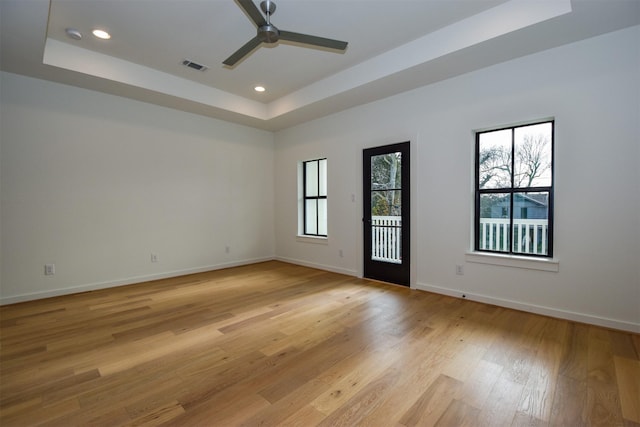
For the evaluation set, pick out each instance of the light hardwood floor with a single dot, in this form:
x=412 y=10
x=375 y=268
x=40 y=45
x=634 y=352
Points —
x=277 y=344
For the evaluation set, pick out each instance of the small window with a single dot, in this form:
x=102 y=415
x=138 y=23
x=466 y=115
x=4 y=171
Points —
x=514 y=190
x=314 y=173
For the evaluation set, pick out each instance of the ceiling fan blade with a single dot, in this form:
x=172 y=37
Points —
x=253 y=12
x=242 y=52
x=312 y=40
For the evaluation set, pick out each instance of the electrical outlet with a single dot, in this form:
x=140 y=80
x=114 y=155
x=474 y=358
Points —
x=340 y=253
x=459 y=269
x=49 y=269
x=154 y=257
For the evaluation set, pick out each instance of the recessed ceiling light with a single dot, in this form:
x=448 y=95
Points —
x=259 y=88
x=73 y=33
x=101 y=34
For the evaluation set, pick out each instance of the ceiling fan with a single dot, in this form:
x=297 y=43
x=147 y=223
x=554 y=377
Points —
x=268 y=33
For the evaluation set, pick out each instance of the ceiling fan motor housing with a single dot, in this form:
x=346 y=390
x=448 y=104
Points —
x=268 y=33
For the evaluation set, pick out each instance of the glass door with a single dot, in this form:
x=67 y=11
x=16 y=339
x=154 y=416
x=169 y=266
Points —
x=386 y=213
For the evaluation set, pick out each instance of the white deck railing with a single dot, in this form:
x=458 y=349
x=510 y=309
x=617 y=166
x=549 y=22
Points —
x=386 y=239
x=530 y=235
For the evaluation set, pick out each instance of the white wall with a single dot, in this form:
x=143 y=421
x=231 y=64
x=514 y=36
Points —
x=95 y=183
x=593 y=91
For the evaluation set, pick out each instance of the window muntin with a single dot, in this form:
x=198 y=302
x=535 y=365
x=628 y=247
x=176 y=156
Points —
x=514 y=190
x=315 y=197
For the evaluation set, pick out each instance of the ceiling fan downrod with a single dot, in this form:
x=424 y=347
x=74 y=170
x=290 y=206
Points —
x=268 y=33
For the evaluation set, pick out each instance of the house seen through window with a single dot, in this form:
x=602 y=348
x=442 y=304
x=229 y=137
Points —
x=514 y=190
x=314 y=174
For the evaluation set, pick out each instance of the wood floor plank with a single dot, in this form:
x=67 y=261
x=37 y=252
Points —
x=276 y=413
x=279 y=344
x=462 y=364
x=569 y=403
x=458 y=414
x=413 y=383
x=573 y=362
x=363 y=402
x=40 y=414
x=502 y=403
x=433 y=403
x=359 y=372
x=310 y=363
x=628 y=379
x=303 y=339
x=159 y=415
x=234 y=412
x=523 y=419
x=306 y=416
x=603 y=400
x=622 y=345
x=537 y=396
x=476 y=388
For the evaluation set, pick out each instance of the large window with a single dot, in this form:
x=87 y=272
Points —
x=514 y=190
x=314 y=173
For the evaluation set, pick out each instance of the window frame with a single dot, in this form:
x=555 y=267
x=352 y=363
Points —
x=317 y=197
x=512 y=191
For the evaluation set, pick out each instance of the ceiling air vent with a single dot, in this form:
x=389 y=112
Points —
x=194 y=65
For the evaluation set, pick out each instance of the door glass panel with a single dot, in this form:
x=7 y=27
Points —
x=386 y=203
x=386 y=208
x=386 y=239
x=386 y=171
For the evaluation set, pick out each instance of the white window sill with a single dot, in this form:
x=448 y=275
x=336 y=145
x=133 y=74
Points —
x=318 y=240
x=543 y=264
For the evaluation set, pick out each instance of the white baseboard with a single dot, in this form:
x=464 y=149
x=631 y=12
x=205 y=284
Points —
x=126 y=281
x=339 y=270
x=537 y=309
